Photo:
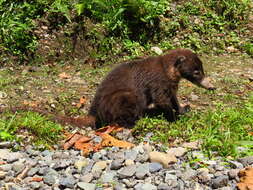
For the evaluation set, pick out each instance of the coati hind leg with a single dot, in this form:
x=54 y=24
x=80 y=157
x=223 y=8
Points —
x=122 y=108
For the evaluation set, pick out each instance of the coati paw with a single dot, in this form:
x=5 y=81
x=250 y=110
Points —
x=184 y=109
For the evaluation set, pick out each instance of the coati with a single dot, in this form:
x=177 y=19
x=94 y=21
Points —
x=126 y=93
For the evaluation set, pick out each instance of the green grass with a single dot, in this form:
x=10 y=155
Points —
x=39 y=128
x=221 y=130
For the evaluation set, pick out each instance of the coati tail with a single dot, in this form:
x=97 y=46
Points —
x=81 y=122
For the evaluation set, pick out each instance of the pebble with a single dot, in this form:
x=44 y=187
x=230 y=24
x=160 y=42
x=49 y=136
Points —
x=86 y=178
x=99 y=166
x=163 y=186
x=80 y=164
x=220 y=181
x=86 y=186
x=177 y=152
x=162 y=158
x=116 y=164
x=191 y=145
x=246 y=160
x=68 y=181
x=155 y=167
x=136 y=168
x=6 y=144
x=129 y=162
x=108 y=177
x=127 y=171
x=142 y=170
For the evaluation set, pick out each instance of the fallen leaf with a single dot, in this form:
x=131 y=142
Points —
x=246 y=179
x=108 y=140
x=31 y=103
x=2 y=162
x=37 y=179
x=108 y=129
x=71 y=141
x=64 y=76
x=81 y=102
x=86 y=145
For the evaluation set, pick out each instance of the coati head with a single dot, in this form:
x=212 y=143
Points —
x=190 y=67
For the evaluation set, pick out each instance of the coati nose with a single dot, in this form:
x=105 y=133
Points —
x=205 y=83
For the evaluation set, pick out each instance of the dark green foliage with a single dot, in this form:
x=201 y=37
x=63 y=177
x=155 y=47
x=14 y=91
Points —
x=202 y=25
x=134 y=19
x=18 y=21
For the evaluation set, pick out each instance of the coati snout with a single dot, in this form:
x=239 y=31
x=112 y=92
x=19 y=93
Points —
x=127 y=91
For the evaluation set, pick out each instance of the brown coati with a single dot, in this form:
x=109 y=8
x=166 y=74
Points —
x=126 y=93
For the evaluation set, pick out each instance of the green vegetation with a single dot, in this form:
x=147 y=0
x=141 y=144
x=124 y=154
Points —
x=40 y=129
x=221 y=130
x=124 y=26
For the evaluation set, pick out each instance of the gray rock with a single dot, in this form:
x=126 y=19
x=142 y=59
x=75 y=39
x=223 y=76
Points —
x=146 y=186
x=108 y=177
x=163 y=186
x=219 y=167
x=170 y=179
x=46 y=153
x=178 y=152
x=236 y=165
x=88 y=167
x=2 y=174
x=99 y=166
x=6 y=167
x=18 y=167
x=189 y=174
x=155 y=167
x=68 y=181
x=129 y=182
x=5 y=154
x=203 y=175
x=97 y=139
x=220 y=181
x=131 y=154
x=35 y=185
x=62 y=164
x=87 y=178
x=126 y=172
x=32 y=171
x=246 y=160
x=116 y=164
x=50 y=177
x=142 y=170
x=233 y=173
x=96 y=156
x=119 y=186
x=16 y=187
x=169 y=176
x=116 y=155
x=142 y=158
x=86 y=186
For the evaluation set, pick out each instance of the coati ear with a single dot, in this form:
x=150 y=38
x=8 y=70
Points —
x=180 y=60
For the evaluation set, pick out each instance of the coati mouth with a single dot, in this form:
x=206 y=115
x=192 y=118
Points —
x=205 y=83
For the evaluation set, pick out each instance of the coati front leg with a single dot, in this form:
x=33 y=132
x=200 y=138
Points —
x=163 y=104
x=179 y=110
